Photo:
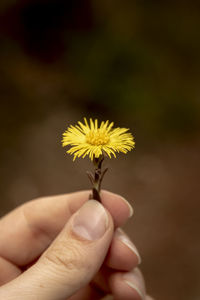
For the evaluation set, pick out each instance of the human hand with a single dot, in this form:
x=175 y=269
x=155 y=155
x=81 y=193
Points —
x=65 y=247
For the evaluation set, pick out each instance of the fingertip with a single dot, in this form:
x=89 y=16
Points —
x=135 y=280
x=122 y=254
x=127 y=286
x=131 y=211
x=119 y=208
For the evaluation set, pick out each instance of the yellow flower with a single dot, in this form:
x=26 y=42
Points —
x=91 y=140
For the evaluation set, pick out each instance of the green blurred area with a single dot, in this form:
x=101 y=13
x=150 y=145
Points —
x=136 y=62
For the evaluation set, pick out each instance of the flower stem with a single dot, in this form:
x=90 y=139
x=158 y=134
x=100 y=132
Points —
x=96 y=178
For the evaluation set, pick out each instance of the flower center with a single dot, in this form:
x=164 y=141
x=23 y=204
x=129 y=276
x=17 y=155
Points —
x=97 y=137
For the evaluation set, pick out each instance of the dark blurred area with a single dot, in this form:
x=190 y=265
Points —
x=134 y=63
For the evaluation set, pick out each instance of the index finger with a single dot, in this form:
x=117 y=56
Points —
x=28 y=230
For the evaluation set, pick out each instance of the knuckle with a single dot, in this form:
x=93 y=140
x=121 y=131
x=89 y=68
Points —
x=64 y=257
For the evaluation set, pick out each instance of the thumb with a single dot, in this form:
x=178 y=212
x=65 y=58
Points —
x=71 y=261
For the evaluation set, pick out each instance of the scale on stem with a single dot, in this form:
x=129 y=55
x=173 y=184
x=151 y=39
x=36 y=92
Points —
x=97 y=178
x=97 y=142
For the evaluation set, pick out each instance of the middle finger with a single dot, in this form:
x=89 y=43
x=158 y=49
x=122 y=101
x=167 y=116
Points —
x=123 y=254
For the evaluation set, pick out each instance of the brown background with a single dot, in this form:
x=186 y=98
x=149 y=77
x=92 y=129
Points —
x=136 y=64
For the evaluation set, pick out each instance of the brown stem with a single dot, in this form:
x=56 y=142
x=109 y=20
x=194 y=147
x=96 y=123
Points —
x=96 y=178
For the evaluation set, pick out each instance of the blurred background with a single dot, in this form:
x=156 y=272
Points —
x=135 y=63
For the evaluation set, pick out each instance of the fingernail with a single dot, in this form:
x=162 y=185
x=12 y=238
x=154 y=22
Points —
x=125 y=240
x=134 y=283
x=91 y=221
x=129 y=207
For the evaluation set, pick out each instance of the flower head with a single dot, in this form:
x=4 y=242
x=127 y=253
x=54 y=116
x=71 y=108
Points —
x=89 y=139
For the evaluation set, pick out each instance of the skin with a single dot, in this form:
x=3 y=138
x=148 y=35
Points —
x=34 y=232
